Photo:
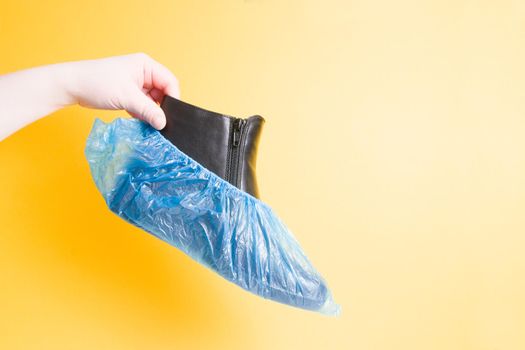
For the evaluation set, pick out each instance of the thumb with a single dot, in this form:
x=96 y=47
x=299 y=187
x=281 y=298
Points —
x=140 y=106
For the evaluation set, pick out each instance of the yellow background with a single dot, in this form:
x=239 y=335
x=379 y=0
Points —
x=394 y=149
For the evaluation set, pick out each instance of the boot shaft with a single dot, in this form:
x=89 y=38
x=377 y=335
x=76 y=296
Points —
x=223 y=144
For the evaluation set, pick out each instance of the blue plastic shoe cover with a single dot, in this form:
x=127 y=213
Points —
x=150 y=183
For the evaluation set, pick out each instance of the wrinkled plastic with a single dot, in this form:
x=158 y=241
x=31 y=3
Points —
x=150 y=183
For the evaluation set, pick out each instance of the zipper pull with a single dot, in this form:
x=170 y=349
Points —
x=237 y=128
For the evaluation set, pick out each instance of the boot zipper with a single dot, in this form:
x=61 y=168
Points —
x=235 y=154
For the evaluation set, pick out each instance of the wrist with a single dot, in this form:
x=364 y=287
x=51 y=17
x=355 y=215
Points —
x=64 y=76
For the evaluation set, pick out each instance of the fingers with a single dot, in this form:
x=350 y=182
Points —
x=158 y=81
x=158 y=77
x=156 y=95
x=140 y=106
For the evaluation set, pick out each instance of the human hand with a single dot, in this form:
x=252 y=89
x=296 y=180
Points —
x=135 y=83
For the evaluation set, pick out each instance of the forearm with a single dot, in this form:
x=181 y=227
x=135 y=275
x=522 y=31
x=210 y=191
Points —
x=30 y=94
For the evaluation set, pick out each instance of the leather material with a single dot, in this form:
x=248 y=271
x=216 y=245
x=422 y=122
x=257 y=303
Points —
x=208 y=138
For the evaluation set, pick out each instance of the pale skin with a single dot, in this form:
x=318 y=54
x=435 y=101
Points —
x=135 y=83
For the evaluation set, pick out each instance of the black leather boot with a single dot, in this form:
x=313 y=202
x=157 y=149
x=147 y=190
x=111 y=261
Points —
x=223 y=144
